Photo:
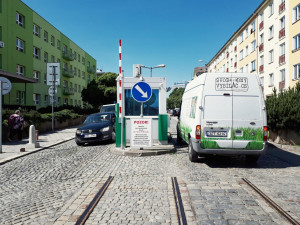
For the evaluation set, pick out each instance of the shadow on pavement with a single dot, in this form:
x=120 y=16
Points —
x=288 y=157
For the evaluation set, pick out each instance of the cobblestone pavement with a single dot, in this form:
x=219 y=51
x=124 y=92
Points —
x=54 y=186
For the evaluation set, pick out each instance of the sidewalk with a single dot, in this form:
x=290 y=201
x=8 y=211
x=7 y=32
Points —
x=11 y=150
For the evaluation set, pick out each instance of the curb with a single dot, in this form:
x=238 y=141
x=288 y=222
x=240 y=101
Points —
x=34 y=151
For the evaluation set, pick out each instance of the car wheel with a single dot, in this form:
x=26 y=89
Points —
x=113 y=136
x=193 y=156
x=252 y=158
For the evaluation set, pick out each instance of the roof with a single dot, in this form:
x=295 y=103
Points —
x=15 y=78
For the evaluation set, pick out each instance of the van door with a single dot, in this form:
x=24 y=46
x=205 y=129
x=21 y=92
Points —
x=217 y=113
x=247 y=130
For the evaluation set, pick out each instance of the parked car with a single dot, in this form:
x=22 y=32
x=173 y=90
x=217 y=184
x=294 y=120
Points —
x=108 y=108
x=96 y=128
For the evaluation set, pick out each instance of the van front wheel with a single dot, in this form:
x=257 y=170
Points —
x=193 y=156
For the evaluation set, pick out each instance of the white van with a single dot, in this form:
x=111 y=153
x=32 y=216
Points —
x=223 y=113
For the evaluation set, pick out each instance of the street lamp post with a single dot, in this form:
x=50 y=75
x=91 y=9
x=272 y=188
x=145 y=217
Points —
x=151 y=68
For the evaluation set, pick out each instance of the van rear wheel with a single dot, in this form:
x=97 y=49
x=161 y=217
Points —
x=193 y=156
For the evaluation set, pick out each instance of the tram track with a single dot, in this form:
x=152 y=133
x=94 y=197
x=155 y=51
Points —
x=181 y=217
x=281 y=211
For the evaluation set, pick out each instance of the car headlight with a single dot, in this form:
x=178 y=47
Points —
x=104 y=129
x=78 y=131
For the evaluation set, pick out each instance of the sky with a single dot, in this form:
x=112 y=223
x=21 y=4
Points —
x=177 y=33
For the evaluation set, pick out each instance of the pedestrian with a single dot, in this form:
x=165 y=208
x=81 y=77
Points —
x=16 y=125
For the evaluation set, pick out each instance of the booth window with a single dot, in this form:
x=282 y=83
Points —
x=133 y=108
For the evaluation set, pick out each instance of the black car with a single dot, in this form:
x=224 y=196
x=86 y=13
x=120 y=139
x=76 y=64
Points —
x=97 y=127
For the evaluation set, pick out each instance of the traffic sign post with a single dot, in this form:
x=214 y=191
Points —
x=5 y=87
x=141 y=92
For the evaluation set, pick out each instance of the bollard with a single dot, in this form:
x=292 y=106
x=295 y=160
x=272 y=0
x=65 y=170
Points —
x=32 y=134
x=37 y=135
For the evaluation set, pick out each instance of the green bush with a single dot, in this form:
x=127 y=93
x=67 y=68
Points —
x=283 y=109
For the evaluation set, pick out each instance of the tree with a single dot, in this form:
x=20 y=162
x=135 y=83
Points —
x=101 y=91
x=174 y=99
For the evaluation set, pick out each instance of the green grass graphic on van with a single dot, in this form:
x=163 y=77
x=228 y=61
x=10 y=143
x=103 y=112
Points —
x=185 y=130
x=254 y=136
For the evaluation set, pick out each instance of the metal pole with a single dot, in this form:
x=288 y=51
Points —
x=150 y=71
x=0 y=116
x=53 y=96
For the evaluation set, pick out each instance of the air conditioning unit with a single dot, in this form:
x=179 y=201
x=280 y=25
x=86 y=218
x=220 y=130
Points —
x=1 y=44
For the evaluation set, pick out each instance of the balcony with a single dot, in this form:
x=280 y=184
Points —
x=227 y=70
x=261 y=25
x=262 y=88
x=281 y=85
x=261 y=68
x=68 y=73
x=68 y=91
x=90 y=69
x=282 y=33
x=261 y=47
x=281 y=7
x=227 y=55
x=281 y=59
x=235 y=64
x=235 y=48
x=67 y=55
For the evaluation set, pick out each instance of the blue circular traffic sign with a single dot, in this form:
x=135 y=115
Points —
x=141 y=92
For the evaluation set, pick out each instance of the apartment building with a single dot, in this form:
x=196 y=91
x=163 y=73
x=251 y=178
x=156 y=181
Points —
x=266 y=44
x=28 y=42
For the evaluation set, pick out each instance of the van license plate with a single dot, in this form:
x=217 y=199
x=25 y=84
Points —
x=216 y=133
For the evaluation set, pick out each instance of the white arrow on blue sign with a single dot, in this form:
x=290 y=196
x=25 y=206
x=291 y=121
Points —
x=141 y=92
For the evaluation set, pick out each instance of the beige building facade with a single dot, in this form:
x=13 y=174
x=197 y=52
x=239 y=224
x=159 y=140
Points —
x=267 y=44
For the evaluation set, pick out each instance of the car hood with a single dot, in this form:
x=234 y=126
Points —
x=94 y=126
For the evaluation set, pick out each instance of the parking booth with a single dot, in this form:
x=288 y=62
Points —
x=145 y=119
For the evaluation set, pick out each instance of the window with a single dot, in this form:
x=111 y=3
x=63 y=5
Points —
x=282 y=49
x=262 y=80
x=46 y=100
x=45 y=78
x=83 y=61
x=52 y=58
x=58 y=44
x=271 y=56
x=20 y=70
x=58 y=100
x=46 y=36
x=261 y=38
x=75 y=55
x=271 y=8
x=36 y=75
x=271 y=79
x=78 y=58
x=241 y=54
x=36 y=52
x=271 y=32
x=246 y=51
x=20 y=19
x=20 y=45
x=247 y=69
x=252 y=27
x=261 y=17
x=241 y=70
x=52 y=40
x=296 y=42
x=297 y=71
x=83 y=75
x=36 y=99
x=64 y=49
x=36 y=30
x=65 y=101
x=296 y=13
x=20 y=97
x=75 y=87
x=241 y=37
x=282 y=22
x=79 y=72
x=253 y=46
x=45 y=56
x=150 y=108
x=282 y=75
x=253 y=65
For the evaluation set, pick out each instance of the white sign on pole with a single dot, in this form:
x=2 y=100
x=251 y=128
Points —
x=141 y=133
x=51 y=69
x=6 y=85
x=52 y=90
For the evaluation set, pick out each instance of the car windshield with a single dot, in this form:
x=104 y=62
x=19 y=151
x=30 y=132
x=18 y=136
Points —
x=97 y=118
x=108 y=108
